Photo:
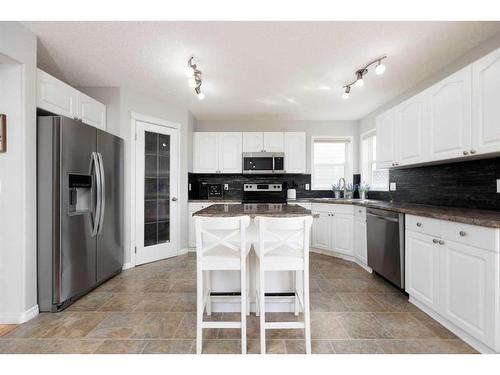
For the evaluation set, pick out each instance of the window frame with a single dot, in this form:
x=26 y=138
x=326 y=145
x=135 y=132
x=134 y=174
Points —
x=364 y=163
x=348 y=165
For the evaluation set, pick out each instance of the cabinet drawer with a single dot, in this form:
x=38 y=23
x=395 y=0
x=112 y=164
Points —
x=473 y=235
x=333 y=208
x=425 y=225
x=359 y=212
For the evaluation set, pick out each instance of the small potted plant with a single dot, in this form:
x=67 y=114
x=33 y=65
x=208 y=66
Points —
x=336 y=190
x=349 y=191
x=363 y=190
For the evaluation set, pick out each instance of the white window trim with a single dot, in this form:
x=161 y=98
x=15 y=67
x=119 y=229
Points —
x=367 y=134
x=348 y=163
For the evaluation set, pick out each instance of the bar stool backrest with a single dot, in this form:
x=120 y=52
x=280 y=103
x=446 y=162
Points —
x=217 y=232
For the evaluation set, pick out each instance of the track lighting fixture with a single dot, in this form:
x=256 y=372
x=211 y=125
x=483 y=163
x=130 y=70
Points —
x=360 y=73
x=194 y=80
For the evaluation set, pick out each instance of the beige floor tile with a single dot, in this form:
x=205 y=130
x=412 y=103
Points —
x=447 y=347
x=322 y=347
x=183 y=286
x=26 y=346
x=221 y=346
x=80 y=346
x=440 y=331
x=272 y=346
x=187 y=327
x=121 y=347
x=158 y=326
x=37 y=327
x=362 y=325
x=361 y=302
x=169 y=347
x=91 y=302
x=184 y=302
x=327 y=302
x=156 y=302
x=401 y=346
x=394 y=302
x=404 y=326
x=75 y=325
x=121 y=302
x=356 y=347
x=327 y=326
x=6 y=328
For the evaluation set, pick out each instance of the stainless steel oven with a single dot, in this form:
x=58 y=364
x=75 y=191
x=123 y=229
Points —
x=263 y=162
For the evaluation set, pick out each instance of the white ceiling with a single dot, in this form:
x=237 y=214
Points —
x=281 y=70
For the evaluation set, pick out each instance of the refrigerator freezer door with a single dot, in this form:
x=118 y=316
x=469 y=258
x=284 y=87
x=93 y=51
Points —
x=78 y=248
x=110 y=237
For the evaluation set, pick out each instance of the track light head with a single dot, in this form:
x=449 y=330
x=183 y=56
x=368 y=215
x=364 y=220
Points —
x=380 y=68
x=345 y=94
x=359 y=79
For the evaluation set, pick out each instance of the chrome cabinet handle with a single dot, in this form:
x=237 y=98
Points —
x=472 y=152
x=466 y=152
x=441 y=242
x=435 y=240
x=419 y=224
x=462 y=233
x=174 y=199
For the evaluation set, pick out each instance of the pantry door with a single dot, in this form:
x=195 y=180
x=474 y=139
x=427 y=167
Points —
x=156 y=192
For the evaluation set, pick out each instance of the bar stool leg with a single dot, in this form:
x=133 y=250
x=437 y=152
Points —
x=307 y=317
x=262 y=308
x=209 y=289
x=247 y=296
x=257 y=288
x=199 y=309
x=243 y=311
x=296 y=287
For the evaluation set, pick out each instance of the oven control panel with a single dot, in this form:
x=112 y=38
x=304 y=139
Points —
x=262 y=187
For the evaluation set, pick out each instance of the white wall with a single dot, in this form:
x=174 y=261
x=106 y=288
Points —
x=121 y=102
x=311 y=128
x=18 y=297
x=368 y=122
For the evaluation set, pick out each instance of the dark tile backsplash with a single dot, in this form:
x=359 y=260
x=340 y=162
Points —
x=470 y=184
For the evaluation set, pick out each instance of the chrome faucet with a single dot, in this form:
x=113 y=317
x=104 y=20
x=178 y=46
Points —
x=344 y=187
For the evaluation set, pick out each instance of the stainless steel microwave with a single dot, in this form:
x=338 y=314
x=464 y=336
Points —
x=263 y=162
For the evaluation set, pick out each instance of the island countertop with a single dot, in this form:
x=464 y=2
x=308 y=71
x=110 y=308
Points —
x=253 y=209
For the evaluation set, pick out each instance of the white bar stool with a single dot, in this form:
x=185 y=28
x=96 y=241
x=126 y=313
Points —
x=220 y=245
x=283 y=245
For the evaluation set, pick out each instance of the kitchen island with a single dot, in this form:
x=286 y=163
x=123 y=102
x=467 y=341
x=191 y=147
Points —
x=226 y=284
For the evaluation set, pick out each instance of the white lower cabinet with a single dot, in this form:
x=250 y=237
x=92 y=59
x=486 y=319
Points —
x=360 y=244
x=342 y=234
x=456 y=275
x=321 y=231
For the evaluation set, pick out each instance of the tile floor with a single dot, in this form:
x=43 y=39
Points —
x=151 y=309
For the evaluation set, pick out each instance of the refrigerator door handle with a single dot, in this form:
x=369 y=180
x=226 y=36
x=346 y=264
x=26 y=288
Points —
x=94 y=164
x=103 y=192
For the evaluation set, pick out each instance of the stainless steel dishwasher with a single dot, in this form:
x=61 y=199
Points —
x=386 y=244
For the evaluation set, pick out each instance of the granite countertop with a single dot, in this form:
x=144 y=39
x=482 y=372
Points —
x=214 y=200
x=252 y=210
x=485 y=218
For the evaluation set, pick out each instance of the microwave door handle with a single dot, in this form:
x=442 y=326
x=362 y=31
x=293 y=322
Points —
x=273 y=165
x=103 y=192
x=94 y=168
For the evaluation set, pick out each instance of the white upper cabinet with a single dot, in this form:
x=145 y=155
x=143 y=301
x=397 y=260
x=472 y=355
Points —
x=217 y=152
x=486 y=104
x=409 y=131
x=386 y=127
x=59 y=98
x=205 y=153
x=274 y=142
x=230 y=152
x=56 y=96
x=295 y=152
x=91 y=111
x=253 y=142
x=449 y=118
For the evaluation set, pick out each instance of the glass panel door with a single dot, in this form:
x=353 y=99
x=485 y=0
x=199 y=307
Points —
x=156 y=188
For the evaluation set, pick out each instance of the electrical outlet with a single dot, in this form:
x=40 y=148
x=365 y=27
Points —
x=226 y=187
x=498 y=186
x=307 y=186
x=189 y=187
x=392 y=186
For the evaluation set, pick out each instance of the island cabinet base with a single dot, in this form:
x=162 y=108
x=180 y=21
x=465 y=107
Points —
x=226 y=286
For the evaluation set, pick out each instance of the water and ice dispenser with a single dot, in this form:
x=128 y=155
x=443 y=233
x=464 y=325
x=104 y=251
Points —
x=80 y=193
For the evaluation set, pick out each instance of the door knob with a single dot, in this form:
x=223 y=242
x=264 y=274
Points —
x=174 y=199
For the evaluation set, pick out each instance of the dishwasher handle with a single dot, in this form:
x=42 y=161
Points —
x=386 y=218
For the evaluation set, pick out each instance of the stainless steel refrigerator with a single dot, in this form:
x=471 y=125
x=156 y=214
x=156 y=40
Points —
x=80 y=209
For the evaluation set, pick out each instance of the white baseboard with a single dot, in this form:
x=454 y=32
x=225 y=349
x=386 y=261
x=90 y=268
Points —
x=476 y=344
x=18 y=318
x=192 y=249
x=127 y=265
x=333 y=253
x=183 y=251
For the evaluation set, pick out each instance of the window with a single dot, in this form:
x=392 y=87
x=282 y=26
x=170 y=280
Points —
x=331 y=160
x=378 y=179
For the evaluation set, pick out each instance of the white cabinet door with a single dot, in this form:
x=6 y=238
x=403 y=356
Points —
x=360 y=246
x=253 y=142
x=274 y=142
x=321 y=232
x=410 y=121
x=468 y=282
x=386 y=127
x=449 y=129
x=205 y=153
x=91 y=112
x=422 y=268
x=486 y=104
x=55 y=96
x=342 y=234
x=230 y=154
x=295 y=152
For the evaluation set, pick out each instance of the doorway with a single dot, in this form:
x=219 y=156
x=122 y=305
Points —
x=156 y=192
